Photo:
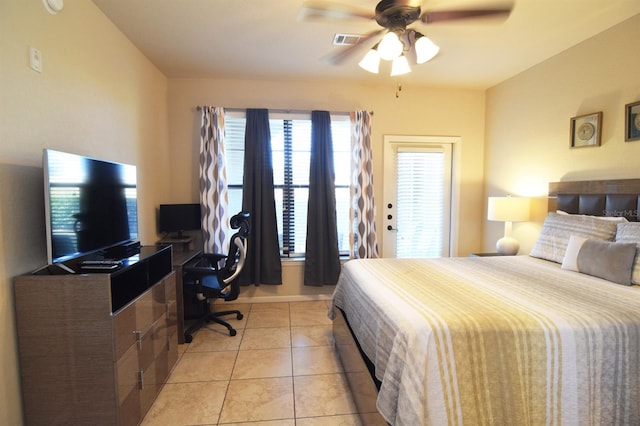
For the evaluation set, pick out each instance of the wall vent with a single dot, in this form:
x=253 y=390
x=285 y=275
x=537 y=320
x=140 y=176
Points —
x=346 y=39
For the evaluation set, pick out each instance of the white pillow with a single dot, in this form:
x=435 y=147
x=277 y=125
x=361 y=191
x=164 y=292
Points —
x=630 y=233
x=611 y=218
x=557 y=228
x=570 y=260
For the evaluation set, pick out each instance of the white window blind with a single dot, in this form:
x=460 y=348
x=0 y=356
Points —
x=291 y=155
x=420 y=202
x=234 y=150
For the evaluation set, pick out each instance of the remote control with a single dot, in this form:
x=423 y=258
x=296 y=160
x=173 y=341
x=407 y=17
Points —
x=100 y=265
x=101 y=262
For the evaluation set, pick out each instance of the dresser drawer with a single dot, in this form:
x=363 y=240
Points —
x=153 y=379
x=136 y=319
x=153 y=342
x=170 y=287
x=172 y=318
x=124 y=336
x=128 y=375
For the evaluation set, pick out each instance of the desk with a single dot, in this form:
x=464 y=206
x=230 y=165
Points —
x=185 y=244
x=181 y=258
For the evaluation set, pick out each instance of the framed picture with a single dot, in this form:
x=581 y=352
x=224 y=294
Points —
x=586 y=130
x=632 y=122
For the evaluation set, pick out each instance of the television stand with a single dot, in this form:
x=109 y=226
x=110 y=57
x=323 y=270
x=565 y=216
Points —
x=96 y=349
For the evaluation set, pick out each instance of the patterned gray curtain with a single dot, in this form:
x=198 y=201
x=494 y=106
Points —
x=322 y=257
x=364 y=239
x=214 y=198
x=263 y=264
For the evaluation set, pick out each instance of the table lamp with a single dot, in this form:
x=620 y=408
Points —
x=508 y=210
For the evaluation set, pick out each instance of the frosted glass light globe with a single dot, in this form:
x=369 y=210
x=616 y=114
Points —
x=390 y=46
x=425 y=50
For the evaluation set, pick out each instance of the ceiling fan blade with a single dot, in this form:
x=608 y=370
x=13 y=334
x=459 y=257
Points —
x=437 y=16
x=339 y=57
x=314 y=10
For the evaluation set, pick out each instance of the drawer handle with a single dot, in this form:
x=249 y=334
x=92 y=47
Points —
x=141 y=379
x=138 y=334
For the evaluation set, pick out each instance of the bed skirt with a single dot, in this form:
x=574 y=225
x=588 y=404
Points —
x=358 y=371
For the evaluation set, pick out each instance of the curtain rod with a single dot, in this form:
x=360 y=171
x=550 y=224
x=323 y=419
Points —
x=284 y=111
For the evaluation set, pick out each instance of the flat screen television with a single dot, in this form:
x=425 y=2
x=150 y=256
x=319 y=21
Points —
x=177 y=218
x=91 y=205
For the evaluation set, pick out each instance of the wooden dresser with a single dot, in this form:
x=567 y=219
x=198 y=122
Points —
x=97 y=348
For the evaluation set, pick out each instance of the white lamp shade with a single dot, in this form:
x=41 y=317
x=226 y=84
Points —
x=400 y=66
x=508 y=209
x=390 y=46
x=371 y=61
x=425 y=50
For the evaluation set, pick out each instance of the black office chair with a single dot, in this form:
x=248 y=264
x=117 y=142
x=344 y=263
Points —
x=206 y=279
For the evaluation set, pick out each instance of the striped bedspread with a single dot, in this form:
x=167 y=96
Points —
x=495 y=341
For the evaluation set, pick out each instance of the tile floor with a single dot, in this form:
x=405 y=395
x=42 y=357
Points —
x=280 y=369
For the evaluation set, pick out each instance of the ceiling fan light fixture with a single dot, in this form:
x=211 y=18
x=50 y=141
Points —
x=371 y=61
x=425 y=49
x=400 y=66
x=390 y=47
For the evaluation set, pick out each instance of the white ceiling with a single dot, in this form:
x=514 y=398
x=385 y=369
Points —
x=264 y=38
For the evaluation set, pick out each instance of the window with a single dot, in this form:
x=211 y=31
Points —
x=291 y=153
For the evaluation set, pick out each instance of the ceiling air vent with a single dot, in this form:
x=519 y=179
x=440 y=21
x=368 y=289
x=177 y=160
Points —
x=346 y=39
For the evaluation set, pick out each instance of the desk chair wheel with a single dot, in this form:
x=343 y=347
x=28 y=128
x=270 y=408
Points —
x=232 y=332
x=239 y=316
x=188 y=338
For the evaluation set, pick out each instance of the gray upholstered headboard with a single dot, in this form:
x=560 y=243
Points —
x=597 y=197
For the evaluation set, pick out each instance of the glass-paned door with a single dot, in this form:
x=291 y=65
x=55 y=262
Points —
x=417 y=208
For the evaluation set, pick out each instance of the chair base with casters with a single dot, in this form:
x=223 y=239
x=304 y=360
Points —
x=210 y=317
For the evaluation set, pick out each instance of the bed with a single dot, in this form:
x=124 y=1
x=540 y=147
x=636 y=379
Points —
x=547 y=338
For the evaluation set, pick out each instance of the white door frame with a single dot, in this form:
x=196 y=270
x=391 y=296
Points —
x=391 y=142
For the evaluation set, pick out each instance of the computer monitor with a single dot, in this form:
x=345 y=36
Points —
x=177 y=218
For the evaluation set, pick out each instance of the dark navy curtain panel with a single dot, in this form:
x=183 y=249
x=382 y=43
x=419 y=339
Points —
x=322 y=258
x=263 y=257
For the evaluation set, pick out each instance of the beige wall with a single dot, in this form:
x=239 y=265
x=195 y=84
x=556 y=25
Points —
x=97 y=96
x=417 y=111
x=527 y=139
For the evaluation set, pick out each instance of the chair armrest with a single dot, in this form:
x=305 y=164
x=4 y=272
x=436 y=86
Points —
x=213 y=257
x=200 y=271
x=205 y=260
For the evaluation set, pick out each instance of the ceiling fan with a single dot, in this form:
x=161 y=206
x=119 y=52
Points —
x=398 y=42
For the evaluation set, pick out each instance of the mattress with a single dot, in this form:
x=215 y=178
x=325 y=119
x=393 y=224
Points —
x=495 y=341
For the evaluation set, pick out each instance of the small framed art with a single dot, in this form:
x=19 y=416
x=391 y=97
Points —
x=586 y=130
x=632 y=122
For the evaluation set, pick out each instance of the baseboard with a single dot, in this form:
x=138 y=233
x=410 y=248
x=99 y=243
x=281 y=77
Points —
x=275 y=299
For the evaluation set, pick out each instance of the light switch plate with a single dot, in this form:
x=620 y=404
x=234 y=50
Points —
x=35 y=59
